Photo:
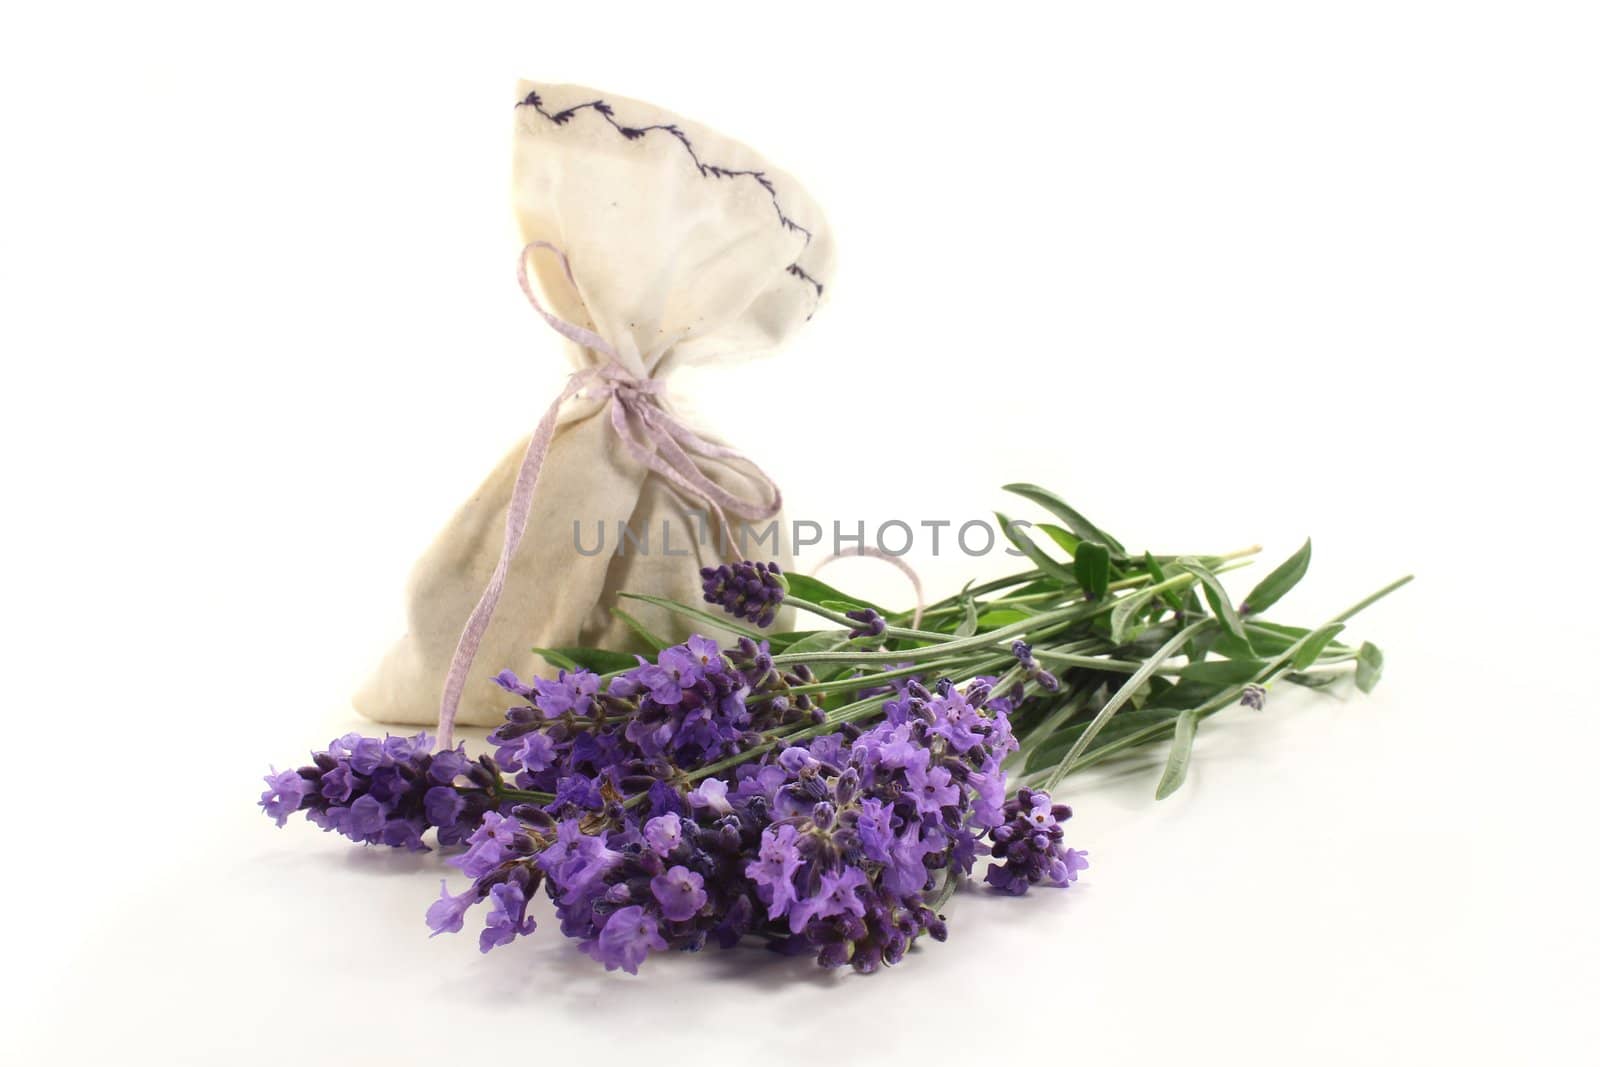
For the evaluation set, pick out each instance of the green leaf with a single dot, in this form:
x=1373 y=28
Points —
x=1216 y=596
x=994 y=620
x=1320 y=680
x=599 y=660
x=821 y=641
x=1266 y=639
x=1079 y=525
x=782 y=642
x=808 y=588
x=1157 y=576
x=1040 y=559
x=720 y=621
x=1183 y=732
x=969 y=618
x=1313 y=645
x=1092 y=567
x=1069 y=544
x=1125 y=614
x=1052 y=748
x=1369 y=667
x=1222 y=672
x=643 y=632
x=1271 y=588
x=1188 y=693
x=1230 y=647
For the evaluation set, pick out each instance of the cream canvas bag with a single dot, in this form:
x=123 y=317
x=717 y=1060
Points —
x=653 y=243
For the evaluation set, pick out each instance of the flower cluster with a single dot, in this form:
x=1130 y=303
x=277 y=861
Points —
x=1029 y=846
x=385 y=791
x=695 y=704
x=695 y=800
x=825 y=846
x=745 y=590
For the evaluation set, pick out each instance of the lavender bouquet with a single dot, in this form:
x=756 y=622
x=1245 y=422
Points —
x=825 y=791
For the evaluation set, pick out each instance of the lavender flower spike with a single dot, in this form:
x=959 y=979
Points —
x=746 y=590
x=871 y=624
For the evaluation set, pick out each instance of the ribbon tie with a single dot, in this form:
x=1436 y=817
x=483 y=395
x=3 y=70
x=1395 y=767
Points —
x=653 y=436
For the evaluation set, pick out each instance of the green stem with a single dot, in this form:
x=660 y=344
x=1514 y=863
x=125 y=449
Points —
x=1123 y=695
x=1222 y=700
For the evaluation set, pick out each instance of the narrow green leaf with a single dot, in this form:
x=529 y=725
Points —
x=1183 y=732
x=1124 y=693
x=643 y=632
x=1230 y=647
x=1222 y=672
x=720 y=621
x=1157 y=576
x=1052 y=748
x=1092 y=567
x=994 y=620
x=1318 y=640
x=1271 y=588
x=782 y=642
x=821 y=641
x=1369 y=667
x=1272 y=639
x=1075 y=521
x=557 y=659
x=1188 y=693
x=599 y=660
x=1319 y=680
x=1125 y=614
x=1216 y=596
x=1069 y=544
x=1040 y=558
x=969 y=618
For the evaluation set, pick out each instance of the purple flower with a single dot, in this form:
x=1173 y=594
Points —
x=628 y=936
x=874 y=826
x=706 y=654
x=680 y=892
x=711 y=793
x=774 y=868
x=489 y=845
x=663 y=833
x=338 y=784
x=508 y=917
x=508 y=681
x=905 y=872
x=538 y=751
x=577 y=862
x=836 y=896
x=1064 y=871
x=567 y=694
x=745 y=590
x=931 y=788
x=285 y=792
x=445 y=914
x=442 y=805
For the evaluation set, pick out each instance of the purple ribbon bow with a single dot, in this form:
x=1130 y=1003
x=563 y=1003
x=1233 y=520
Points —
x=651 y=435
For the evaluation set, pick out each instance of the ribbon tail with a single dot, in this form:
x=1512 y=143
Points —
x=517 y=511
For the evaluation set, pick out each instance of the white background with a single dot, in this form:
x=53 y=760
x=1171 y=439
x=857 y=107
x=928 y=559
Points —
x=1219 y=274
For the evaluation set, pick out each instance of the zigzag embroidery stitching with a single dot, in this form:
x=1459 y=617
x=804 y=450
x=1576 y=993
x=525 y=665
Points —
x=708 y=170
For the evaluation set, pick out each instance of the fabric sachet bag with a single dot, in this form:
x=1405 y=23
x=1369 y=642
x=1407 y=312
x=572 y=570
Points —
x=651 y=243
